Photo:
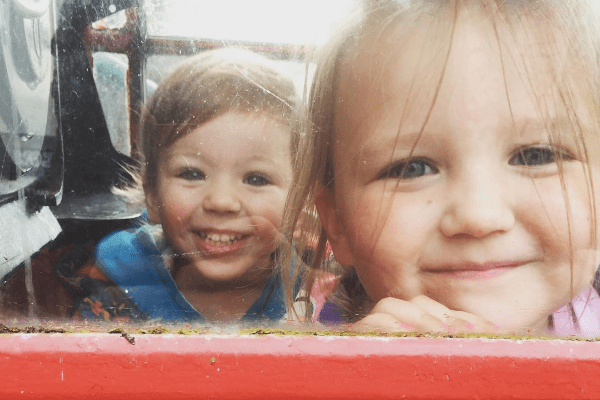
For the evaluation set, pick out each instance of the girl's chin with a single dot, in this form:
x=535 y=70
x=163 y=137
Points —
x=220 y=275
x=230 y=272
x=512 y=321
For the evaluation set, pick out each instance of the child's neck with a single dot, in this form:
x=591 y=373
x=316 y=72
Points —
x=222 y=301
x=223 y=306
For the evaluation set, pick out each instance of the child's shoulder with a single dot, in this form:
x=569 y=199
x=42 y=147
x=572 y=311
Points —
x=126 y=253
x=133 y=260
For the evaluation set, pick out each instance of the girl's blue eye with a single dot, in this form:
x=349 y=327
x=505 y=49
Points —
x=536 y=156
x=408 y=170
x=191 y=175
x=257 y=180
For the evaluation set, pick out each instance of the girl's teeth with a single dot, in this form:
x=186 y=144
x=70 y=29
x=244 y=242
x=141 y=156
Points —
x=220 y=238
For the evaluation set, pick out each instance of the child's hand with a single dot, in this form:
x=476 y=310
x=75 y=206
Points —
x=420 y=314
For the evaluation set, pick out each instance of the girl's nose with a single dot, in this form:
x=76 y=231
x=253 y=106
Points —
x=221 y=197
x=478 y=207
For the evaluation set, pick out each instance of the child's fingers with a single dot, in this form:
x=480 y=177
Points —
x=421 y=314
x=453 y=321
x=380 y=322
x=475 y=323
x=433 y=307
x=410 y=314
x=459 y=321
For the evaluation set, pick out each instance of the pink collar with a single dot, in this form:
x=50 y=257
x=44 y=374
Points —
x=585 y=308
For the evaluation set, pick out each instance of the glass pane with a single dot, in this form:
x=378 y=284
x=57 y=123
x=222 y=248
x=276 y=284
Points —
x=159 y=66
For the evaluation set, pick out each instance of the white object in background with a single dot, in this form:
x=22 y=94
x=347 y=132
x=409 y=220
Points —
x=38 y=228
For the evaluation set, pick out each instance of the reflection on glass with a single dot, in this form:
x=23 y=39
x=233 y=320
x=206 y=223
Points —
x=159 y=66
x=110 y=74
x=266 y=21
x=28 y=138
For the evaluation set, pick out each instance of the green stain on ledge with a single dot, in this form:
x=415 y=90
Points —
x=187 y=329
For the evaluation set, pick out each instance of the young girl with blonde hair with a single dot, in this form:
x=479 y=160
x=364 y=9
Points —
x=452 y=153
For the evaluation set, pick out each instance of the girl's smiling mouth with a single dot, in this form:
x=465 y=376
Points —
x=222 y=239
x=471 y=270
x=213 y=242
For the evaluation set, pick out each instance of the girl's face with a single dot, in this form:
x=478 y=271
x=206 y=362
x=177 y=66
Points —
x=471 y=213
x=220 y=195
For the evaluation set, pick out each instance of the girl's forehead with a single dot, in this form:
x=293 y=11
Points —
x=400 y=73
x=248 y=133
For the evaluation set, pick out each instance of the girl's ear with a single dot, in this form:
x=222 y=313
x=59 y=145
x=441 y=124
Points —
x=336 y=234
x=152 y=207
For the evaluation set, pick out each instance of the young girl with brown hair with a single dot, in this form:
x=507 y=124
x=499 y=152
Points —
x=217 y=143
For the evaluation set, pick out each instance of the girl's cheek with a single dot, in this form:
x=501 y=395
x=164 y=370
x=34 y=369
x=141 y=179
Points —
x=560 y=222
x=176 y=213
x=545 y=202
x=271 y=209
x=399 y=217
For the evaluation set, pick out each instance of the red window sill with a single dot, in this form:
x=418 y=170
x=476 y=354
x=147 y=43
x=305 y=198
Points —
x=70 y=366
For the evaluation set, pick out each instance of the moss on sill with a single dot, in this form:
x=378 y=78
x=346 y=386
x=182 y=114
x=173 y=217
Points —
x=187 y=329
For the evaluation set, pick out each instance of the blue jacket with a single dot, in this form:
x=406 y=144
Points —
x=134 y=263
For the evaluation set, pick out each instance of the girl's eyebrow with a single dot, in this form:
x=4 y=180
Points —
x=407 y=139
x=536 y=125
x=399 y=140
x=182 y=152
x=186 y=157
x=259 y=157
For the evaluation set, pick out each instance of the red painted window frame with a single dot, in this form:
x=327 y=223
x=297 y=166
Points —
x=73 y=366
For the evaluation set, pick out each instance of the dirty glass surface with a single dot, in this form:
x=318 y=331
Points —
x=28 y=135
x=73 y=78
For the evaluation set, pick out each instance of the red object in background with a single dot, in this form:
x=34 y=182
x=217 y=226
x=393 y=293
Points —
x=69 y=366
